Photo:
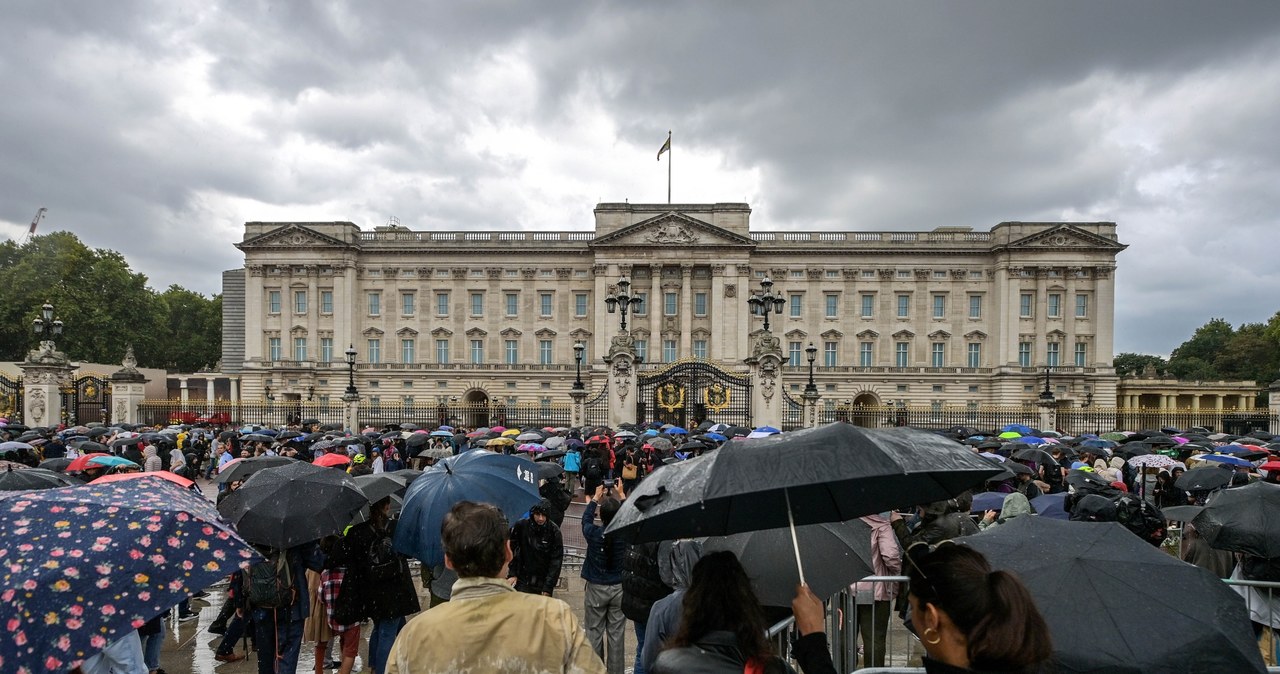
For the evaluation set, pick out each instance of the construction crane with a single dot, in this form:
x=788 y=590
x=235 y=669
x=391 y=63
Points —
x=31 y=231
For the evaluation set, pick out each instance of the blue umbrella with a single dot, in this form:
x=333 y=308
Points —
x=444 y=428
x=82 y=566
x=766 y=429
x=1225 y=458
x=441 y=434
x=505 y=481
x=1030 y=440
x=988 y=500
x=1099 y=444
x=676 y=430
x=1018 y=428
x=113 y=461
x=1052 y=506
x=716 y=436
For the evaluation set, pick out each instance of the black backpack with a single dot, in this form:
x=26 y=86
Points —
x=592 y=471
x=269 y=583
x=385 y=564
x=1140 y=517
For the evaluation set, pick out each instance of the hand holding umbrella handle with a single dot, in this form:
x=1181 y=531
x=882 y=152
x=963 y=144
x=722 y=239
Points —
x=809 y=611
x=795 y=545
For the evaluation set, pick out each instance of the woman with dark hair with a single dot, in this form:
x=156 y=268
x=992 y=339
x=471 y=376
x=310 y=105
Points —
x=722 y=627
x=969 y=617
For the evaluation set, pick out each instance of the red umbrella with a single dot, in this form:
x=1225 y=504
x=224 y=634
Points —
x=330 y=460
x=161 y=474
x=1270 y=465
x=82 y=462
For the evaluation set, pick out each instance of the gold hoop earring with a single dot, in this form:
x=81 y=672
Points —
x=936 y=637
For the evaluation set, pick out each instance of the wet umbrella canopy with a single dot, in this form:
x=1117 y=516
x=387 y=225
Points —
x=1116 y=604
x=1203 y=479
x=1243 y=519
x=289 y=505
x=481 y=476
x=82 y=566
x=828 y=474
x=843 y=547
x=32 y=479
x=241 y=469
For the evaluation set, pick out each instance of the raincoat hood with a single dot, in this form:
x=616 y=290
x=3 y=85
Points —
x=676 y=560
x=149 y=452
x=1117 y=462
x=1015 y=505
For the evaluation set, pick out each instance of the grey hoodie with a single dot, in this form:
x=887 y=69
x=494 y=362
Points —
x=1015 y=505
x=675 y=567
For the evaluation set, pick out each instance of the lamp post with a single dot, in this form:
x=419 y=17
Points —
x=578 y=349
x=1046 y=396
x=1047 y=402
x=766 y=301
x=619 y=300
x=351 y=371
x=811 y=352
x=46 y=323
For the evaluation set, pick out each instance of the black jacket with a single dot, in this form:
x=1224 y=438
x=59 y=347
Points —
x=935 y=529
x=641 y=583
x=538 y=552
x=555 y=494
x=382 y=597
x=715 y=653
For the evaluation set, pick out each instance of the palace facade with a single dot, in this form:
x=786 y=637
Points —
x=949 y=316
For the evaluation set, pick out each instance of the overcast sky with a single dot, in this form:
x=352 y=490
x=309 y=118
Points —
x=159 y=128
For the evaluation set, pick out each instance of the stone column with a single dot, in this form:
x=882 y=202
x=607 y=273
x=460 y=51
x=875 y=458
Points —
x=1048 y=414
x=44 y=373
x=686 y=311
x=578 y=413
x=622 y=382
x=208 y=395
x=1273 y=405
x=351 y=410
x=128 y=390
x=183 y=393
x=810 y=408
x=235 y=389
x=765 y=363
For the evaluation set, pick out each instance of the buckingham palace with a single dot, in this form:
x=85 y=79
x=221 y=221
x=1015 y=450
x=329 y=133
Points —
x=950 y=315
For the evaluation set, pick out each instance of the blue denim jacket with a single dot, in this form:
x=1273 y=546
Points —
x=594 y=568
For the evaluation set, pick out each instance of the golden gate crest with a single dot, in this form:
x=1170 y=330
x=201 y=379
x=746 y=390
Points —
x=716 y=397
x=670 y=396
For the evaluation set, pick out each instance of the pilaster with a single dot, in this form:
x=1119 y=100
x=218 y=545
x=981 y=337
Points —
x=128 y=390
x=765 y=363
x=622 y=382
x=44 y=373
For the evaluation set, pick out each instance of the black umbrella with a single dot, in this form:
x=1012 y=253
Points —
x=831 y=473
x=257 y=437
x=1039 y=456
x=843 y=547
x=33 y=478
x=241 y=469
x=1204 y=479
x=57 y=465
x=381 y=485
x=289 y=505
x=309 y=422
x=1018 y=468
x=89 y=447
x=1116 y=604
x=435 y=453
x=1243 y=519
x=548 y=470
x=550 y=455
x=416 y=440
x=125 y=442
x=288 y=435
x=409 y=474
x=1182 y=513
x=1087 y=480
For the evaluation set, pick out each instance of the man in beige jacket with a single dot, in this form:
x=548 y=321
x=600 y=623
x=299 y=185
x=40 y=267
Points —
x=487 y=626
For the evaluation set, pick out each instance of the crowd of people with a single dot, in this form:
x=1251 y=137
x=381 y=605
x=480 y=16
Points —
x=492 y=604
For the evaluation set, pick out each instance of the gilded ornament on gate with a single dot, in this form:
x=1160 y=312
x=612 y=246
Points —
x=716 y=397
x=90 y=391
x=671 y=397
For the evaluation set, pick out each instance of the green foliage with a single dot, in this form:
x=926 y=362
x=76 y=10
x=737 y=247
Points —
x=103 y=304
x=1133 y=364
x=1219 y=352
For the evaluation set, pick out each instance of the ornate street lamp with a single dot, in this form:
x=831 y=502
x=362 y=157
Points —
x=811 y=352
x=578 y=349
x=46 y=323
x=1046 y=396
x=351 y=371
x=766 y=301
x=620 y=300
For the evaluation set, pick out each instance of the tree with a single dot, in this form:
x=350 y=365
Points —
x=1133 y=364
x=1195 y=358
x=192 y=328
x=103 y=303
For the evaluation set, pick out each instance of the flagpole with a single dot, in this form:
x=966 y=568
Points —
x=669 y=151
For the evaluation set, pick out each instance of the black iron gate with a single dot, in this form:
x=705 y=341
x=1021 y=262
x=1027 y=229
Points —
x=596 y=409
x=85 y=400
x=792 y=413
x=688 y=391
x=10 y=399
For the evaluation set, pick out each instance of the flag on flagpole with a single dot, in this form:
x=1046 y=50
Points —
x=666 y=147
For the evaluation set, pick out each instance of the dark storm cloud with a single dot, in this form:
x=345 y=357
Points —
x=157 y=128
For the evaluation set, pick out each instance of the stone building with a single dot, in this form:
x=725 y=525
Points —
x=949 y=316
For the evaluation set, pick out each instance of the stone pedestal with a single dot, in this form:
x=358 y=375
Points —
x=351 y=409
x=1273 y=405
x=44 y=373
x=622 y=381
x=1048 y=414
x=128 y=390
x=765 y=363
x=810 y=408
x=578 y=412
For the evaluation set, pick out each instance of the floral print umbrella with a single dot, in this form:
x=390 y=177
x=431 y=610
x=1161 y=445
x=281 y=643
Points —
x=82 y=566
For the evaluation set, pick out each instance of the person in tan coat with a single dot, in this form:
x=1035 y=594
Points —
x=487 y=626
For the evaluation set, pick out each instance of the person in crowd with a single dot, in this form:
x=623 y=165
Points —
x=1166 y=493
x=330 y=591
x=151 y=461
x=594 y=470
x=675 y=567
x=1027 y=486
x=152 y=633
x=602 y=571
x=1015 y=505
x=538 y=552
x=278 y=629
x=969 y=617
x=642 y=586
x=378 y=465
x=487 y=626
x=555 y=493
x=380 y=577
x=937 y=521
x=360 y=465
x=391 y=460
x=875 y=600
x=572 y=466
x=125 y=654
x=722 y=627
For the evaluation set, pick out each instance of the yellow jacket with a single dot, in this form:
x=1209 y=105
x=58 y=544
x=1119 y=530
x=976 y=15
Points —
x=489 y=627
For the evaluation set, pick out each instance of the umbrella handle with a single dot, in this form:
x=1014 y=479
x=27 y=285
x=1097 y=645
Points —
x=795 y=545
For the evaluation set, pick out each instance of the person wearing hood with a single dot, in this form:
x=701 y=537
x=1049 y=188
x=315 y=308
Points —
x=177 y=462
x=150 y=461
x=675 y=568
x=553 y=492
x=875 y=600
x=939 y=521
x=537 y=551
x=1015 y=505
